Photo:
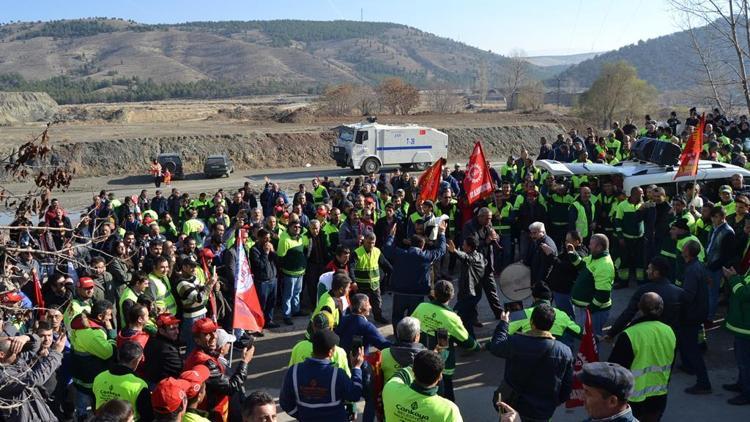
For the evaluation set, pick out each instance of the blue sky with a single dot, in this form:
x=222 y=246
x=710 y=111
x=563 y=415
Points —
x=538 y=27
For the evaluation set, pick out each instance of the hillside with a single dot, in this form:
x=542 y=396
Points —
x=669 y=62
x=559 y=60
x=260 y=56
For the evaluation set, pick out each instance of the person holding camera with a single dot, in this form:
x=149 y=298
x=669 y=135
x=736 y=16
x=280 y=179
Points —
x=219 y=386
x=538 y=369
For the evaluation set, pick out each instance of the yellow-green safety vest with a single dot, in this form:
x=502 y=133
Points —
x=366 y=268
x=163 y=294
x=117 y=387
x=653 y=345
x=582 y=224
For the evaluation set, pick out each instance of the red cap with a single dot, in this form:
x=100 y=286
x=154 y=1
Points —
x=196 y=377
x=148 y=220
x=207 y=253
x=278 y=208
x=11 y=297
x=85 y=282
x=322 y=212
x=204 y=326
x=166 y=319
x=369 y=200
x=169 y=395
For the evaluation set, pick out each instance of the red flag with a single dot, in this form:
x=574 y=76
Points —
x=692 y=152
x=429 y=181
x=38 y=297
x=478 y=181
x=586 y=353
x=248 y=314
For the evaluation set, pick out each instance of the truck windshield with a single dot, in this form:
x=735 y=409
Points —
x=346 y=134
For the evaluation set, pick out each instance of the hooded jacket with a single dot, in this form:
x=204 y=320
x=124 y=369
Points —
x=400 y=355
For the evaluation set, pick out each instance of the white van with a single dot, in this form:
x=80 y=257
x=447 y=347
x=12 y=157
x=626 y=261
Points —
x=368 y=146
x=641 y=173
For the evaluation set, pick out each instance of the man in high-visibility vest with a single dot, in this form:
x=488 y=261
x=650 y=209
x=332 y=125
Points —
x=412 y=395
x=131 y=295
x=92 y=342
x=437 y=315
x=593 y=286
x=340 y=283
x=647 y=348
x=121 y=383
x=563 y=328
x=582 y=214
x=159 y=290
x=558 y=204
x=365 y=267
x=319 y=193
x=630 y=231
x=738 y=323
x=401 y=354
x=81 y=302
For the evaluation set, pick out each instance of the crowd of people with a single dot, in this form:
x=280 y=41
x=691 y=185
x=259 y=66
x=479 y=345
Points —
x=128 y=313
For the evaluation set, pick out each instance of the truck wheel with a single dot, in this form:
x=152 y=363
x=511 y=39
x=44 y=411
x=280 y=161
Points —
x=370 y=166
x=421 y=166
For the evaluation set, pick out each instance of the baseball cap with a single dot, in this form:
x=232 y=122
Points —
x=369 y=200
x=11 y=297
x=324 y=340
x=169 y=395
x=166 y=319
x=681 y=223
x=204 y=326
x=85 y=283
x=725 y=188
x=609 y=377
x=196 y=376
x=223 y=337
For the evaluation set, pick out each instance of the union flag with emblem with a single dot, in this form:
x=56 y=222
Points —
x=478 y=182
x=587 y=353
x=248 y=315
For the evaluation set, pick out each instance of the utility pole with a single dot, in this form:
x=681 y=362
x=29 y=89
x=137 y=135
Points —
x=362 y=14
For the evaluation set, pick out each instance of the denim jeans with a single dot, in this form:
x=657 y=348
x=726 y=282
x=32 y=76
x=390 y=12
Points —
x=713 y=292
x=563 y=303
x=83 y=402
x=290 y=297
x=692 y=358
x=742 y=355
x=598 y=319
x=186 y=332
x=267 y=298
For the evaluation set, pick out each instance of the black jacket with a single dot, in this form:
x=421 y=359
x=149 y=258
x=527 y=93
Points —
x=162 y=359
x=670 y=294
x=695 y=296
x=564 y=273
x=539 y=368
x=539 y=262
x=262 y=263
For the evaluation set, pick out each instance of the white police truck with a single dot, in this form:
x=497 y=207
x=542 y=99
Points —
x=368 y=146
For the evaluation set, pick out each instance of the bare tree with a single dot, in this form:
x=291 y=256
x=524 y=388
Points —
x=442 y=99
x=531 y=96
x=726 y=18
x=482 y=82
x=515 y=76
x=365 y=99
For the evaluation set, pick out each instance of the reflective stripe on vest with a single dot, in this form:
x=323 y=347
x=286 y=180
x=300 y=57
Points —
x=653 y=345
x=367 y=270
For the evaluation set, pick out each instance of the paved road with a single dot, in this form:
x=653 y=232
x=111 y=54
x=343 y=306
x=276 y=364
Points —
x=477 y=375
